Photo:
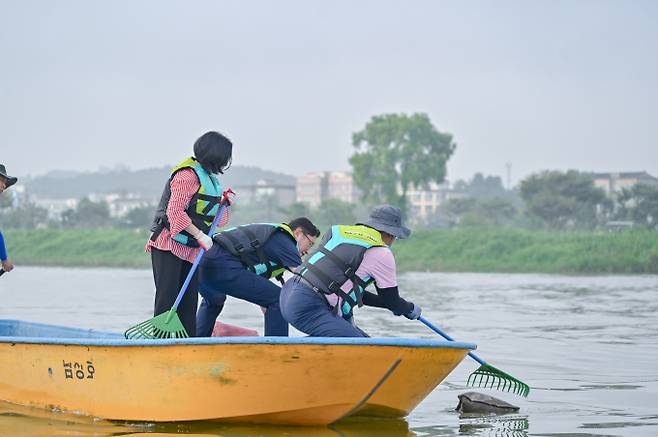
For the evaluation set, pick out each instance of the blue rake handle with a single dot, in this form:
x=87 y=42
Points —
x=197 y=259
x=449 y=338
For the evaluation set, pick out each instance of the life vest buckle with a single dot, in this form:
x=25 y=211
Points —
x=349 y=271
x=239 y=247
x=255 y=244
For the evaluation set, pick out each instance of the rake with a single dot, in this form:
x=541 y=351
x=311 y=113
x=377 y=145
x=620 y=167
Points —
x=168 y=324
x=486 y=375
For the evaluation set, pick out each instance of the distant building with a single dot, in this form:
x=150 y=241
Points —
x=613 y=183
x=424 y=203
x=55 y=207
x=311 y=188
x=341 y=186
x=314 y=188
x=121 y=204
x=265 y=190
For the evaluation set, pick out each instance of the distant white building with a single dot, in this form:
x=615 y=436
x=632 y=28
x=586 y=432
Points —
x=122 y=204
x=55 y=207
x=425 y=203
x=119 y=204
x=614 y=183
x=313 y=188
x=265 y=190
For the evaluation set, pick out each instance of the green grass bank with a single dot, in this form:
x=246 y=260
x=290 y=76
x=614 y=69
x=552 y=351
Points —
x=75 y=247
x=524 y=251
x=458 y=250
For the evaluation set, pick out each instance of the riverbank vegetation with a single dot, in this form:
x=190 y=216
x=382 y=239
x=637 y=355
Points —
x=79 y=247
x=552 y=221
x=520 y=250
x=437 y=250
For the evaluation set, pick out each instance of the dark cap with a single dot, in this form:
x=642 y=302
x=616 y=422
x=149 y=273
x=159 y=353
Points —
x=387 y=218
x=9 y=180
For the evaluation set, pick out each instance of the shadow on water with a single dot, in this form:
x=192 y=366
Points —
x=18 y=421
x=503 y=426
x=510 y=425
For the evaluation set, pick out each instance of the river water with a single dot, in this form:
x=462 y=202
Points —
x=587 y=346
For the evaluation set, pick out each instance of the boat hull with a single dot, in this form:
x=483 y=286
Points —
x=300 y=381
x=412 y=381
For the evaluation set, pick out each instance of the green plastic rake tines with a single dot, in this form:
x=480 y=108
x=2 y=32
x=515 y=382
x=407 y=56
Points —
x=165 y=325
x=487 y=376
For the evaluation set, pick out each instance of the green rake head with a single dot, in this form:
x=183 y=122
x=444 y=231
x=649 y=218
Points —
x=165 y=325
x=489 y=377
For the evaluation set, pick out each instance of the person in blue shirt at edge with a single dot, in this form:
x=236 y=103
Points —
x=240 y=264
x=320 y=299
x=6 y=181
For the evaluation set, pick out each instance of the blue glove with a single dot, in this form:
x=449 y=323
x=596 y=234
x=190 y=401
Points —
x=414 y=314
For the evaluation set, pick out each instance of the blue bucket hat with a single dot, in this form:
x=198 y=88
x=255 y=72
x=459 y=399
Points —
x=9 y=180
x=387 y=218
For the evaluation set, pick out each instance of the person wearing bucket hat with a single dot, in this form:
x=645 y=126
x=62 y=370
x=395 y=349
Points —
x=6 y=181
x=321 y=298
x=387 y=218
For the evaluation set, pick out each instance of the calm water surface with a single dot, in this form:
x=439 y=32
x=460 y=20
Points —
x=588 y=347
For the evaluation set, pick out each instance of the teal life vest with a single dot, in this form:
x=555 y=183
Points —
x=202 y=207
x=336 y=261
x=250 y=239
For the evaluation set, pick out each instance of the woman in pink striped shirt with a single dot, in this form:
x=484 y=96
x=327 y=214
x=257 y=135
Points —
x=188 y=205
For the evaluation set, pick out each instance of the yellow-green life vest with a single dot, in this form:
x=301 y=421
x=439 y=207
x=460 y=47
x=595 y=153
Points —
x=336 y=261
x=202 y=207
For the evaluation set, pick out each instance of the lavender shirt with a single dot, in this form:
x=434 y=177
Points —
x=379 y=264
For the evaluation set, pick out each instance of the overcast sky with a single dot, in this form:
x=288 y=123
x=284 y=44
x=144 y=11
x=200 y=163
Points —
x=541 y=85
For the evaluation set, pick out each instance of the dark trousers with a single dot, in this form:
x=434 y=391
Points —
x=307 y=311
x=169 y=273
x=211 y=305
x=245 y=285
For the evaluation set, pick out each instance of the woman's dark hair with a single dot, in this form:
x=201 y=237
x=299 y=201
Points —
x=307 y=226
x=213 y=151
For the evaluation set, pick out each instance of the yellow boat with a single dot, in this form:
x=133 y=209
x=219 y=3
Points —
x=277 y=380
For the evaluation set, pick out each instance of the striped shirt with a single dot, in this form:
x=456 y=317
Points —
x=184 y=185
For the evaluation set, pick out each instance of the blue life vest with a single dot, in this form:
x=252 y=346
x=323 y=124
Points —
x=336 y=261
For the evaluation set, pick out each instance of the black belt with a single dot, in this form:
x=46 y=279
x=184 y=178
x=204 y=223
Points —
x=317 y=291
x=309 y=285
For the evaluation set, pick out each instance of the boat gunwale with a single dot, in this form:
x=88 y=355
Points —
x=335 y=341
x=111 y=339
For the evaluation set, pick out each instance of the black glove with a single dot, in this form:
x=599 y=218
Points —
x=414 y=314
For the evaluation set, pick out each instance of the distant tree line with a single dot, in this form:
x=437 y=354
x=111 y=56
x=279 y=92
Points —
x=93 y=215
x=395 y=153
x=554 y=200
x=86 y=215
x=546 y=200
